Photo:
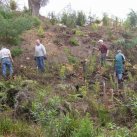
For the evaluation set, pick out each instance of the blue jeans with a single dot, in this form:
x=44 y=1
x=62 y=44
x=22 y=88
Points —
x=6 y=64
x=40 y=63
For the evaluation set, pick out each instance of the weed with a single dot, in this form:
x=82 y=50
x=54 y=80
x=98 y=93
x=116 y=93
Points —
x=41 y=32
x=74 y=42
x=16 y=51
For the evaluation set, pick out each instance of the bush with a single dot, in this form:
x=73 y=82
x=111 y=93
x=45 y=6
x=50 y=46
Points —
x=78 y=32
x=94 y=27
x=72 y=59
x=12 y=25
x=73 y=41
x=16 y=51
x=18 y=128
x=41 y=32
x=85 y=128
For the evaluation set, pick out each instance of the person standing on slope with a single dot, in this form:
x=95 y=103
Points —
x=103 y=52
x=40 y=55
x=119 y=65
x=6 y=61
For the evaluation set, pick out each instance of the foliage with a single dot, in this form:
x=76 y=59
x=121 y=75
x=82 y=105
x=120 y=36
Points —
x=9 y=32
x=84 y=89
x=91 y=66
x=13 y=5
x=94 y=27
x=16 y=51
x=73 y=41
x=81 y=18
x=132 y=17
x=72 y=59
x=17 y=128
x=78 y=32
x=43 y=114
x=105 y=19
x=53 y=18
x=41 y=32
x=85 y=128
x=69 y=19
x=61 y=127
x=62 y=72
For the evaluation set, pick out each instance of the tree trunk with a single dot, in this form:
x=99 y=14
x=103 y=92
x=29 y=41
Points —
x=35 y=10
x=34 y=7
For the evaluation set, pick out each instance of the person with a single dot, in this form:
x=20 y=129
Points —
x=40 y=55
x=119 y=65
x=103 y=50
x=6 y=61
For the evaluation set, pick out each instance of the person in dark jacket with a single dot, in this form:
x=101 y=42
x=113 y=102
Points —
x=119 y=65
x=103 y=52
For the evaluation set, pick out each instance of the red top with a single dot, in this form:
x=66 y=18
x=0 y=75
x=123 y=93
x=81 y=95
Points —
x=103 y=48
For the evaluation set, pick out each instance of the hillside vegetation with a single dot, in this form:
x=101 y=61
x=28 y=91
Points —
x=75 y=97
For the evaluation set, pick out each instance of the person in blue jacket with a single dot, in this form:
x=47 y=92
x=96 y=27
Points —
x=119 y=65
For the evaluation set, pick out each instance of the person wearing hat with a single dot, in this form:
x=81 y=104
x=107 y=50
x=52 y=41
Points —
x=119 y=65
x=6 y=61
x=103 y=50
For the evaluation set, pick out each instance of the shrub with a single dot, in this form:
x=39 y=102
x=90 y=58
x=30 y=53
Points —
x=78 y=32
x=41 y=32
x=12 y=25
x=61 y=127
x=62 y=72
x=85 y=128
x=53 y=18
x=94 y=27
x=35 y=21
x=16 y=51
x=72 y=59
x=73 y=41
x=5 y=125
x=18 y=128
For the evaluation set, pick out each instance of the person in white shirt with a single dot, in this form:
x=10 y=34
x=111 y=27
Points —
x=6 y=61
x=40 y=55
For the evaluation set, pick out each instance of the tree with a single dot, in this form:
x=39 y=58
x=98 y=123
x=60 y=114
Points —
x=81 y=18
x=13 y=5
x=132 y=17
x=105 y=19
x=35 y=5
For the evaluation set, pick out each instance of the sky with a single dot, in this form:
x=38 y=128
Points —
x=119 y=8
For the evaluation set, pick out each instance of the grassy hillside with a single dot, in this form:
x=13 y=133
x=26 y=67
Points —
x=75 y=97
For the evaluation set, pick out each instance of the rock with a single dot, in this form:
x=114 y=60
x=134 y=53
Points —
x=66 y=87
x=135 y=67
x=28 y=58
